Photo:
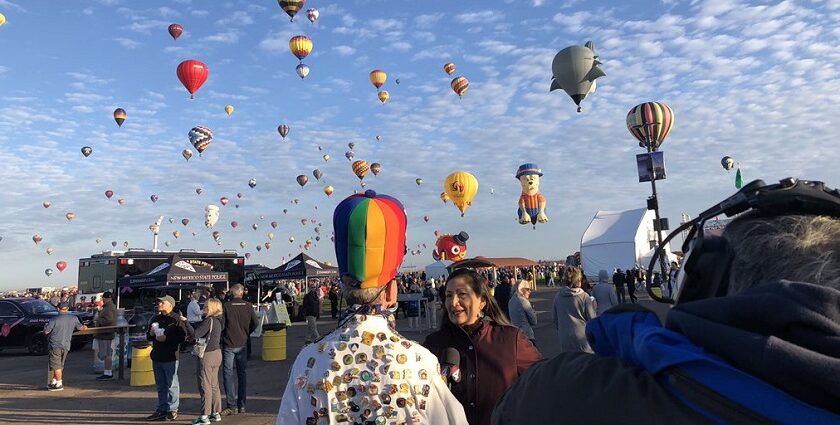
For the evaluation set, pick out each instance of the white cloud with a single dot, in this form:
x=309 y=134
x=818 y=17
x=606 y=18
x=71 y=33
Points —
x=227 y=37
x=276 y=42
x=401 y=46
x=427 y=20
x=344 y=50
x=199 y=12
x=128 y=43
x=166 y=12
x=483 y=17
x=237 y=18
x=8 y=5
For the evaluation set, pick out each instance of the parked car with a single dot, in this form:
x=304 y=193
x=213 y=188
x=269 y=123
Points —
x=22 y=322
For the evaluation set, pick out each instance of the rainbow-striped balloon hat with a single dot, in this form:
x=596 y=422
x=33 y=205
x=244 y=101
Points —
x=369 y=238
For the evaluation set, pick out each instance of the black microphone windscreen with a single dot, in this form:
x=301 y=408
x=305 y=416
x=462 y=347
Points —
x=452 y=357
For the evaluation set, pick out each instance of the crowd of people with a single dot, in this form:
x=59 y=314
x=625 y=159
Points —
x=717 y=359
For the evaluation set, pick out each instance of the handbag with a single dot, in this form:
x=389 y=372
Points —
x=201 y=343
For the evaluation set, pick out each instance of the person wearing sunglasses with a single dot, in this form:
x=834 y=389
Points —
x=753 y=337
x=364 y=371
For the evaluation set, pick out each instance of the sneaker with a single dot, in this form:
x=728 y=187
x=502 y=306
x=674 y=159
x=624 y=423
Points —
x=215 y=417
x=55 y=387
x=171 y=416
x=228 y=412
x=104 y=377
x=201 y=420
x=242 y=409
x=157 y=416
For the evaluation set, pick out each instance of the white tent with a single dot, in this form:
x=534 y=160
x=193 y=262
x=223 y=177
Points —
x=617 y=239
x=438 y=269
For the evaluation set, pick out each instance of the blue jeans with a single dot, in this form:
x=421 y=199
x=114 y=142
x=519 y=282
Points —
x=166 y=380
x=239 y=357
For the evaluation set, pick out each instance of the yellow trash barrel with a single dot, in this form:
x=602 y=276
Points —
x=141 y=367
x=274 y=345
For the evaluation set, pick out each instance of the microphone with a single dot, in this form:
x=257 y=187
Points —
x=450 y=367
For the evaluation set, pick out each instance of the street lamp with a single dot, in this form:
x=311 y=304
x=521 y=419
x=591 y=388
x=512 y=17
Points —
x=155 y=229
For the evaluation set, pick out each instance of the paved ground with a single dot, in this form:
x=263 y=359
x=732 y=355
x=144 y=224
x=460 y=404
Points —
x=23 y=399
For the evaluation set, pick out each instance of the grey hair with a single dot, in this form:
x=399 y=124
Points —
x=237 y=291
x=804 y=248
x=361 y=296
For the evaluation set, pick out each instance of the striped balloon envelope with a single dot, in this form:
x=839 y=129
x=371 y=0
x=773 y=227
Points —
x=449 y=68
x=369 y=239
x=301 y=46
x=378 y=77
x=360 y=168
x=291 y=7
x=650 y=122
x=460 y=85
x=119 y=116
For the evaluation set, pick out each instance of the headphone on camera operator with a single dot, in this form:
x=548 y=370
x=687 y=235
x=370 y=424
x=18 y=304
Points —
x=705 y=269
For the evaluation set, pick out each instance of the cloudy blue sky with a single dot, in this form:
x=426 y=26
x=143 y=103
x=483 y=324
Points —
x=756 y=81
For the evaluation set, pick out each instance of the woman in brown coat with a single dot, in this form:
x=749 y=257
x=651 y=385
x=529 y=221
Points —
x=492 y=352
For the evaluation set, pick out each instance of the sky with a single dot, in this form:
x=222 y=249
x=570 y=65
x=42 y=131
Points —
x=755 y=81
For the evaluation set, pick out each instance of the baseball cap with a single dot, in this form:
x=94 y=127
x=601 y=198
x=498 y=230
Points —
x=63 y=306
x=168 y=299
x=369 y=239
x=107 y=294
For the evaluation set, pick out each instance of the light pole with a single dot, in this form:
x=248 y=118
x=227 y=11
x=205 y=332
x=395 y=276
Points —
x=653 y=202
x=155 y=229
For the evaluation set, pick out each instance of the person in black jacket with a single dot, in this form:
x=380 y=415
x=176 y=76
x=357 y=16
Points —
x=333 y=294
x=630 y=282
x=502 y=296
x=753 y=338
x=618 y=281
x=311 y=309
x=167 y=331
x=240 y=321
x=104 y=341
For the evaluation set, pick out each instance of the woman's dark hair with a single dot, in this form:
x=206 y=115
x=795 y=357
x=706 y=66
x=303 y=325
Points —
x=478 y=284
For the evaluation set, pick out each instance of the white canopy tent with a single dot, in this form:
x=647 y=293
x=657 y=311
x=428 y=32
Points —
x=438 y=269
x=618 y=239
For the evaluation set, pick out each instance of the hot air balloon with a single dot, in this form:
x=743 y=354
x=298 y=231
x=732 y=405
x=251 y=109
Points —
x=313 y=15
x=728 y=163
x=328 y=190
x=360 y=168
x=283 y=129
x=247 y=255
x=444 y=197
x=255 y=226
x=575 y=69
x=460 y=85
x=109 y=194
x=86 y=151
x=378 y=138
x=317 y=174
x=252 y=183
x=270 y=235
x=70 y=216
x=461 y=187
x=326 y=157
x=198 y=191
x=383 y=96
x=449 y=68
x=229 y=110
x=273 y=224
x=426 y=218
x=418 y=181
x=302 y=179
x=291 y=7
x=121 y=201
x=50 y=251
x=37 y=238
x=201 y=137
x=46 y=204
x=242 y=244
x=349 y=155
x=378 y=78
x=98 y=241
x=177 y=234
x=291 y=239
x=167 y=243
x=397 y=81
x=234 y=224
x=650 y=123
x=114 y=244
x=175 y=31
x=301 y=46
x=171 y=220
x=2 y=19
x=154 y=198
x=192 y=74
x=239 y=195
x=119 y=116
x=375 y=168
x=267 y=245
x=259 y=248
x=217 y=235
x=224 y=200
x=351 y=145
x=302 y=70
x=185 y=221
x=48 y=272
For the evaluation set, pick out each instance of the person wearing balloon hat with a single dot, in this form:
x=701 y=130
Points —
x=365 y=371
x=531 y=202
